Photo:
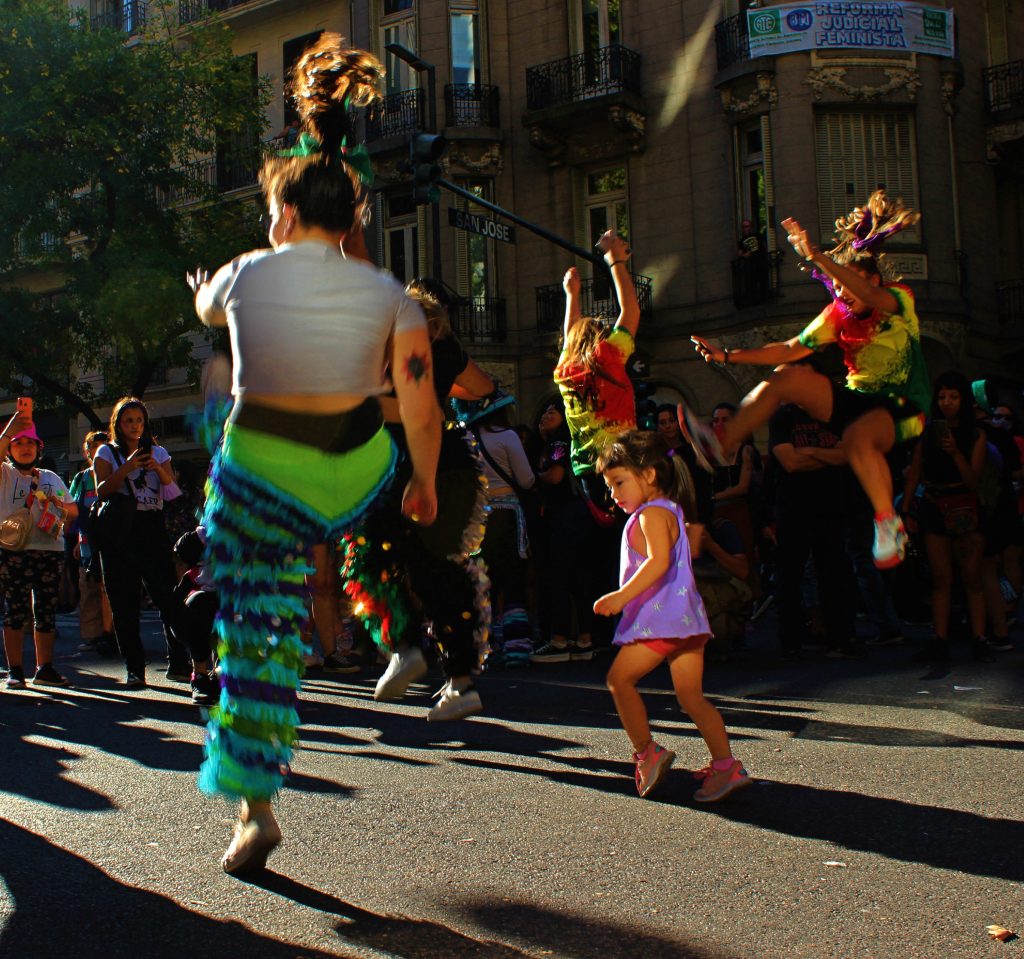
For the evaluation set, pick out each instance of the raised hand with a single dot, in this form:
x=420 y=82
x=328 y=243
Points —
x=798 y=239
x=709 y=353
x=571 y=281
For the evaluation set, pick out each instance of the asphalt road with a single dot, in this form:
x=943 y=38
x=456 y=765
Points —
x=887 y=821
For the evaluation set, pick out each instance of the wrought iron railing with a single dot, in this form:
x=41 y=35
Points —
x=480 y=319
x=234 y=168
x=1010 y=299
x=128 y=16
x=755 y=279
x=189 y=11
x=612 y=69
x=597 y=298
x=1004 y=86
x=470 y=105
x=396 y=115
x=732 y=42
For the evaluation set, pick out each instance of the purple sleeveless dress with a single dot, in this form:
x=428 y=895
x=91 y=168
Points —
x=671 y=608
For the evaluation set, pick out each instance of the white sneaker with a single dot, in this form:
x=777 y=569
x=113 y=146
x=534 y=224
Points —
x=406 y=666
x=455 y=705
x=890 y=544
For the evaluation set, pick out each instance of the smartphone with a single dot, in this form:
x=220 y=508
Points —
x=146 y=444
x=25 y=405
x=941 y=428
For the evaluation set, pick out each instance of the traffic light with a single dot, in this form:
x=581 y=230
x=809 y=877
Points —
x=425 y=150
x=646 y=408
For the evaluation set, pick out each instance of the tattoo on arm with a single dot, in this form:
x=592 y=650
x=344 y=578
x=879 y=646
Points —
x=417 y=366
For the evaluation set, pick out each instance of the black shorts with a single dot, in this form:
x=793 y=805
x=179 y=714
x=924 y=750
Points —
x=849 y=405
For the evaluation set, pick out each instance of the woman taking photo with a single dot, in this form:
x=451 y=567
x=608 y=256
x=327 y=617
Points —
x=949 y=460
x=304 y=451
x=30 y=571
x=132 y=465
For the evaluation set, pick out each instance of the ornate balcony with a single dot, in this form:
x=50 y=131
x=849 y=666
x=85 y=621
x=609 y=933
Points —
x=1010 y=299
x=1004 y=87
x=396 y=115
x=587 y=107
x=732 y=42
x=755 y=279
x=127 y=17
x=471 y=105
x=480 y=319
x=189 y=11
x=233 y=168
x=596 y=299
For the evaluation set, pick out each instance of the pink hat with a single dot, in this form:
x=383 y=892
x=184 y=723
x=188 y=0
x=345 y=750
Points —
x=29 y=434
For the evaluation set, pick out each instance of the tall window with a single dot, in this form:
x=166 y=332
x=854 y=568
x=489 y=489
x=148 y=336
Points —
x=477 y=267
x=600 y=22
x=291 y=50
x=752 y=201
x=465 y=42
x=398 y=25
x=605 y=207
x=855 y=152
x=401 y=237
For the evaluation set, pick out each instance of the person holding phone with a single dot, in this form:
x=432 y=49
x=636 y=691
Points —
x=30 y=572
x=949 y=460
x=132 y=465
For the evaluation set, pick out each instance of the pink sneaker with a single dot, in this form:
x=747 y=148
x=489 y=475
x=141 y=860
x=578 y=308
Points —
x=652 y=766
x=719 y=784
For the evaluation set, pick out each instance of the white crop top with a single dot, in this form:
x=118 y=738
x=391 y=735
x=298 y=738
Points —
x=304 y=319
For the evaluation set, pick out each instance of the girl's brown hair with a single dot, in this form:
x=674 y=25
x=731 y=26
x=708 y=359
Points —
x=638 y=450
x=327 y=81
x=126 y=403
x=582 y=340
x=436 y=301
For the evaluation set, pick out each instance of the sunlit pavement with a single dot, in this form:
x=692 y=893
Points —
x=886 y=821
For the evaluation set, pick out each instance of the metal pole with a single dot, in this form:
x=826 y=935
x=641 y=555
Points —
x=435 y=213
x=588 y=255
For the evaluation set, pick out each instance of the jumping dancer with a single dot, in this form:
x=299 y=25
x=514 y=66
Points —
x=663 y=617
x=305 y=450
x=591 y=371
x=875 y=324
x=400 y=576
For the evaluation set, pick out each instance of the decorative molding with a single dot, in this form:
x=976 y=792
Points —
x=1001 y=134
x=491 y=160
x=632 y=123
x=950 y=333
x=763 y=93
x=552 y=146
x=832 y=78
x=951 y=84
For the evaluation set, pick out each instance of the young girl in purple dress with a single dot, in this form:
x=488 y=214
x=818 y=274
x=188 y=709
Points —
x=663 y=617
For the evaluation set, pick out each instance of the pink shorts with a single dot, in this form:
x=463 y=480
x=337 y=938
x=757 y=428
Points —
x=669 y=647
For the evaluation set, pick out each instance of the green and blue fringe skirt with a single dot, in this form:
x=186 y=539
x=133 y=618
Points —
x=269 y=501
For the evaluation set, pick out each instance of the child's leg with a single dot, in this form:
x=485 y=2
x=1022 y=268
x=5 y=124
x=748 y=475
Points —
x=687 y=669
x=631 y=665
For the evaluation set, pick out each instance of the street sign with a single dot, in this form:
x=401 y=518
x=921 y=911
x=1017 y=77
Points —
x=638 y=365
x=484 y=226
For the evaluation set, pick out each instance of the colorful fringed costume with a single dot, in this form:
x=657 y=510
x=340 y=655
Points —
x=269 y=501
x=400 y=575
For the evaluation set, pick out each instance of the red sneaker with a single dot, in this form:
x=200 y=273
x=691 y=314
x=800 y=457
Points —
x=720 y=783
x=652 y=767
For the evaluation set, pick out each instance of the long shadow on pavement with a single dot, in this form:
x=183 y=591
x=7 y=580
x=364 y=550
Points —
x=933 y=836
x=549 y=932
x=65 y=906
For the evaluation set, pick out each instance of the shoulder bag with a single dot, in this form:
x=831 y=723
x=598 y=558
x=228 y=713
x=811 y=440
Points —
x=110 y=519
x=14 y=531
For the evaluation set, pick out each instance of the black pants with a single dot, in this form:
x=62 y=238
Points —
x=820 y=538
x=144 y=559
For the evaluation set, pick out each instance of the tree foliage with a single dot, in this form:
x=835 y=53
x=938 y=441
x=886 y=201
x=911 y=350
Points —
x=107 y=146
